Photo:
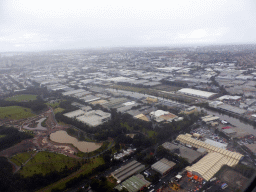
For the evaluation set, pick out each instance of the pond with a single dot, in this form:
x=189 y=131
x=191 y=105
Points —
x=63 y=137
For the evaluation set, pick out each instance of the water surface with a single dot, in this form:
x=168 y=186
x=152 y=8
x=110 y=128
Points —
x=84 y=146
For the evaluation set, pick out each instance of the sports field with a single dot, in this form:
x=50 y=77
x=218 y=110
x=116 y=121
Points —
x=15 y=112
x=21 y=98
x=46 y=162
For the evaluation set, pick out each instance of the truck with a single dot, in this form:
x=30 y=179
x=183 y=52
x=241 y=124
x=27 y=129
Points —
x=224 y=186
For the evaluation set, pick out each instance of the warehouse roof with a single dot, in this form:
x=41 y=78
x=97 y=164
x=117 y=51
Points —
x=196 y=92
x=163 y=166
x=133 y=184
x=215 y=143
x=189 y=154
x=210 y=164
x=127 y=170
x=94 y=118
x=232 y=109
x=210 y=148
x=73 y=92
x=74 y=113
x=209 y=118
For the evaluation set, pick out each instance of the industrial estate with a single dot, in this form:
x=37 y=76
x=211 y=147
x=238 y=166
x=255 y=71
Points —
x=130 y=119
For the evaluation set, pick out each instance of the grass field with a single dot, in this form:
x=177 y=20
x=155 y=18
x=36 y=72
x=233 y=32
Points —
x=86 y=168
x=151 y=133
x=20 y=98
x=15 y=112
x=46 y=162
x=21 y=157
x=58 y=110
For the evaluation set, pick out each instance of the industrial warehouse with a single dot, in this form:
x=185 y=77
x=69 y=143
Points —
x=209 y=165
x=134 y=183
x=163 y=166
x=197 y=93
x=210 y=148
x=127 y=170
x=92 y=118
x=189 y=154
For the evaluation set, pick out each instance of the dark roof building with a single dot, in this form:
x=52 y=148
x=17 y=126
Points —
x=189 y=154
x=163 y=166
x=134 y=183
x=127 y=170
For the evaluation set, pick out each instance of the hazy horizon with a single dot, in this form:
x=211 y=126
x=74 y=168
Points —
x=56 y=25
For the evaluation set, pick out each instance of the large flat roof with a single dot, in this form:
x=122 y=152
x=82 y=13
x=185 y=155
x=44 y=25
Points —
x=134 y=183
x=210 y=148
x=216 y=144
x=127 y=170
x=195 y=92
x=74 y=113
x=210 y=164
x=73 y=92
x=163 y=166
x=189 y=154
x=232 y=109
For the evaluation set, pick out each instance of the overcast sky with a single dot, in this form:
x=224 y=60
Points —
x=33 y=25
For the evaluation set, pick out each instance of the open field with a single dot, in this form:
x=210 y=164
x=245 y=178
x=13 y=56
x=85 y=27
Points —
x=46 y=162
x=85 y=169
x=20 y=98
x=234 y=179
x=15 y=112
x=2 y=136
x=58 y=110
x=151 y=133
x=21 y=158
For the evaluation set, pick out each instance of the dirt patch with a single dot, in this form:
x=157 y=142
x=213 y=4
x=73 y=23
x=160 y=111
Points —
x=234 y=179
x=23 y=146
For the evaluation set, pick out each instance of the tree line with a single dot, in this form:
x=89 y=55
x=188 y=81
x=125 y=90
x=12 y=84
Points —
x=11 y=136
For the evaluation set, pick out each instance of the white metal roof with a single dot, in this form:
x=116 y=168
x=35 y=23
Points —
x=196 y=92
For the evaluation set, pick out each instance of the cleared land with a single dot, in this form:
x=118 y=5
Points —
x=46 y=162
x=15 y=112
x=234 y=179
x=21 y=158
x=85 y=169
x=21 y=98
x=58 y=110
